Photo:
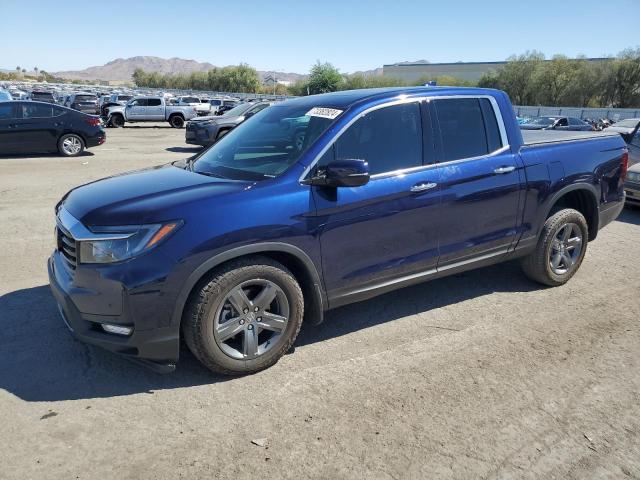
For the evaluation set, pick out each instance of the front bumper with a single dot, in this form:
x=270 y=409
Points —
x=632 y=190
x=157 y=348
x=196 y=135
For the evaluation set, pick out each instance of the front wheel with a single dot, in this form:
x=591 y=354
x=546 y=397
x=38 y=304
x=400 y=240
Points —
x=560 y=249
x=70 y=145
x=176 y=121
x=245 y=317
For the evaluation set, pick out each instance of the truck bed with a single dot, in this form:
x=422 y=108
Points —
x=537 y=137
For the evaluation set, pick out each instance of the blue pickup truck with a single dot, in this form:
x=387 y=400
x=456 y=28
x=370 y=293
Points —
x=232 y=248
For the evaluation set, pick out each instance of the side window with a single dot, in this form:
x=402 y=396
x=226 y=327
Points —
x=6 y=112
x=154 y=102
x=37 y=111
x=257 y=108
x=636 y=139
x=141 y=102
x=575 y=121
x=389 y=139
x=463 y=130
x=563 y=123
x=57 y=111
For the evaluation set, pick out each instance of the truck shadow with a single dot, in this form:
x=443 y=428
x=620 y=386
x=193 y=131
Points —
x=86 y=153
x=42 y=362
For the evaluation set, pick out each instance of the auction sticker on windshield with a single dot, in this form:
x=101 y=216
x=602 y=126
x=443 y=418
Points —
x=329 y=113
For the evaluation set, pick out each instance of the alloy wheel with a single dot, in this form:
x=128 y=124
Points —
x=71 y=145
x=565 y=248
x=251 y=319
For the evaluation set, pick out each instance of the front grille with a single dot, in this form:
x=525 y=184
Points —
x=67 y=247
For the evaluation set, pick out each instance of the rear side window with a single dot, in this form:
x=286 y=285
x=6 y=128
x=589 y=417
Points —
x=468 y=127
x=575 y=121
x=154 y=102
x=389 y=139
x=37 y=111
x=6 y=111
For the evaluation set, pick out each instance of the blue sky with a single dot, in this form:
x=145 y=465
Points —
x=291 y=35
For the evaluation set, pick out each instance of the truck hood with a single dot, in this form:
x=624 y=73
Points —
x=220 y=118
x=152 y=195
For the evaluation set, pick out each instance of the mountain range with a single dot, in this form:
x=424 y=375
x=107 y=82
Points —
x=121 y=69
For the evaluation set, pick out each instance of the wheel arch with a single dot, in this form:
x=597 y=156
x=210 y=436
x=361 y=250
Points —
x=297 y=261
x=582 y=197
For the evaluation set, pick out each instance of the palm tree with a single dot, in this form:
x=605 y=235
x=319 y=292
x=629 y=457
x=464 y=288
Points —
x=35 y=69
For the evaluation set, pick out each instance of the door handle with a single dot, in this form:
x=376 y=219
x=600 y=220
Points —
x=421 y=187
x=501 y=170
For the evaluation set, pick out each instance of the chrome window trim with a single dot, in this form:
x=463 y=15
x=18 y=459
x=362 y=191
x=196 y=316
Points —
x=428 y=98
x=80 y=233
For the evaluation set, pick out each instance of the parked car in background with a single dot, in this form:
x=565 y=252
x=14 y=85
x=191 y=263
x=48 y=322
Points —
x=632 y=185
x=226 y=106
x=202 y=107
x=5 y=96
x=231 y=249
x=113 y=100
x=19 y=95
x=83 y=102
x=627 y=128
x=215 y=104
x=42 y=96
x=208 y=130
x=31 y=127
x=556 y=123
x=149 y=109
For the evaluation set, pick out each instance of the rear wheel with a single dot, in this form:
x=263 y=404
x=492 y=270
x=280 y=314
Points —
x=560 y=250
x=70 y=145
x=176 y=121
x=246 y=316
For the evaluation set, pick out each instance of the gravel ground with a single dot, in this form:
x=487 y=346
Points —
x=480 y=375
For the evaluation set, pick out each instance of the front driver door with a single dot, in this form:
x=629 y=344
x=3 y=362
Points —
x=137 y=109
x=8 y=127
x=383 y=232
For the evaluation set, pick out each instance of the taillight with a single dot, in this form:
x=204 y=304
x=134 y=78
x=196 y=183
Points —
x=624 y=165
x=93 y=121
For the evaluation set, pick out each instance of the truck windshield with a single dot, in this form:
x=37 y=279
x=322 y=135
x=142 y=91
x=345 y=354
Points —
x=266 y=145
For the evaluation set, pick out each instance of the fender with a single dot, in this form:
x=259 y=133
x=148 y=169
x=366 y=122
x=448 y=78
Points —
x=318 y=292
x=550 y=202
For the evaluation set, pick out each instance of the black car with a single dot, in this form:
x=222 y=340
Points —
x=42 y=96
x=30 y=127
x=207 y=130
x=556 y=123
x=84 y=102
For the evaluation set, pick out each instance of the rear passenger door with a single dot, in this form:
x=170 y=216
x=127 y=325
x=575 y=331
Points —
x=155 y=109
x=480 y=180
x=387 y=229
x=8 y=127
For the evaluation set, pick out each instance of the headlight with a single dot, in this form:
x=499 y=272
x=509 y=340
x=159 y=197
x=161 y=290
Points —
x=122 y=243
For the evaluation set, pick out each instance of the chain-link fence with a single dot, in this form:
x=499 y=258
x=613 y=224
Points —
x=615 y=114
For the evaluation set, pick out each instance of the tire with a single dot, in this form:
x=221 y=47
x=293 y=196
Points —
x=70 y=145
x=251 y=346
x=558 y=254
x=117 y=121
x=176 y=121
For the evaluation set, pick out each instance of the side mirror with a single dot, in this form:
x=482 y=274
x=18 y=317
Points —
x=248 y=115
x=351 y=172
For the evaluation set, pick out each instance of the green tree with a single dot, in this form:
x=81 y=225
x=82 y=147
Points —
x=324 y=78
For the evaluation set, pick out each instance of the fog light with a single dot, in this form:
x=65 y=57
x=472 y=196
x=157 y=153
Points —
x=117 y=329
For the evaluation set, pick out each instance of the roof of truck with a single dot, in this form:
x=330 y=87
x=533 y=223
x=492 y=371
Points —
x=347 y=98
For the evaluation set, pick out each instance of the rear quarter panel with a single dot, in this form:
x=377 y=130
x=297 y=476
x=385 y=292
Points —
x=556 y=168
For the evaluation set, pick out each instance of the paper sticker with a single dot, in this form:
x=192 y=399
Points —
x=323 y=112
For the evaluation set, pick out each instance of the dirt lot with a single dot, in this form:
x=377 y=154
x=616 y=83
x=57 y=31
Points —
x=481 y=375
